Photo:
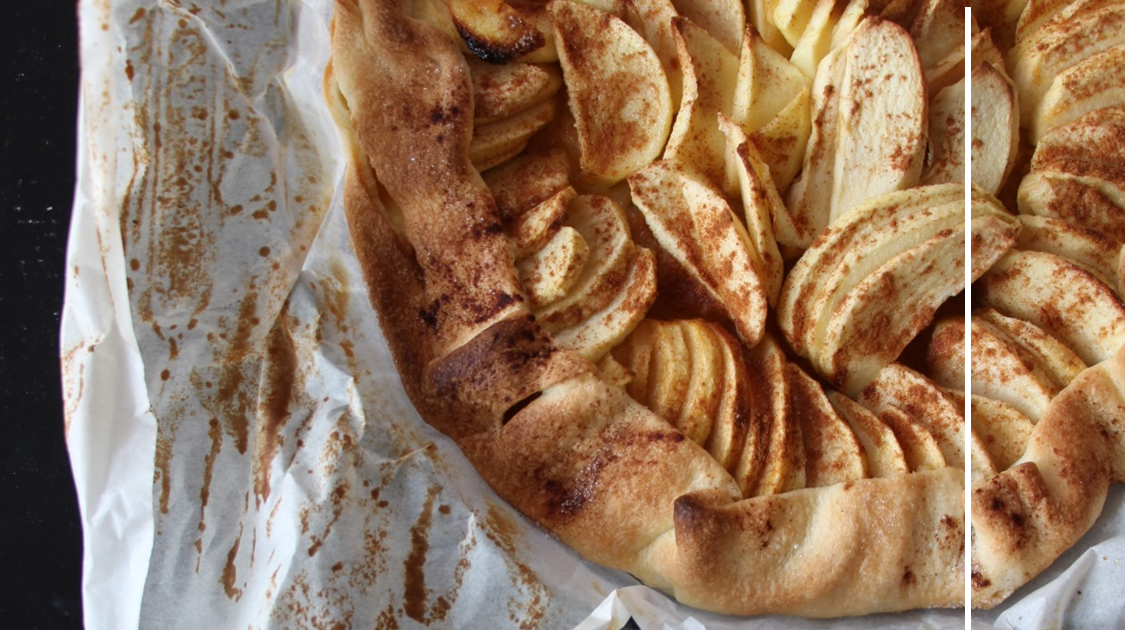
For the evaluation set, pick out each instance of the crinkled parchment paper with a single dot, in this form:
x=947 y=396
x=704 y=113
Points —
x=244 y=454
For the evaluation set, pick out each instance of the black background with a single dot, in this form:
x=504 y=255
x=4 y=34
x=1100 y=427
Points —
x=40 y=535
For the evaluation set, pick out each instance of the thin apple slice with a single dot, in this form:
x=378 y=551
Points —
x=725 y=20
x=496 y=143
x=1061 y=298
x=946 y=352
x=704 y=393
x=735 y=437
x=1094 y=252
x=762 y=206
x=918 y=447
x=816 y=38
x=996 y=128
x=622 y=129
x=791 y=17
x=865 y=142
x=499 y=31
x=653 y=20
x=781 y=467
x=709 y=74
x=924 y=402
x=1005 y=371
x=1093 y=83
x=502 y=91
x=549 y=273
x=531 y=230
x=1057 y=361
x=603 y=226
x=882 y=450
x=860 y=243
x=601 y=330
x=1060 y=44
x=683 y=213
x=833 y=454
x=947 y=137
x=670 y=371
x=771 y=103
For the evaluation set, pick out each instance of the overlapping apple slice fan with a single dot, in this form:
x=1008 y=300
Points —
x=1048 y=323
x=591 y=262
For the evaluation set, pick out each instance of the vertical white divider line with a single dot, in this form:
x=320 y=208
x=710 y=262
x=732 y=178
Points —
x=968 y=309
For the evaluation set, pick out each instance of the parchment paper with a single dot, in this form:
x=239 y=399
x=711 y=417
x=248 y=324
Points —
x=244 y=454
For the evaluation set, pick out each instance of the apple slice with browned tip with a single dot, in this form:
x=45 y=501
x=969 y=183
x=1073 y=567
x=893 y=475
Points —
x=499 y=31
x=619 y=129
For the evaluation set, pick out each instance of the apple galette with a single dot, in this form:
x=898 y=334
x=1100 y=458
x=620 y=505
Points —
x=1048 y=323
x=668 y=273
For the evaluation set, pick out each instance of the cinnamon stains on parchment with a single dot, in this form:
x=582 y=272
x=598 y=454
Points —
x=531 y=607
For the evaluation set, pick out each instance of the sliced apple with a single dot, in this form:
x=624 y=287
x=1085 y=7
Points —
x=499 y=31
x=709 y=73
x=759 y=16
x=816 y=38
x=1042 y=12
x=880 y=446
x=947 y=137
x=502 y=91
x=613 y=372
x=924 y=402
x=1060 y=44
x=603 y=226
x=945 y=354
x=1093 y=83
x=1094 y=252
x=994 y=231
x=601 y=330
x=497 y=142
x=771 y=103
x=918 y=447
x=683 y=213
x=781 y=467
x=735 y=435
x=533 y=177
x=622 y=129
x=860 y=243
x=996 y=128
x=1056 y=360
x=635 y=353
x=670 y=372
x=1002 y=429
x=532 y=230
x=725 y=20
x=833 y=454
x=761 y=206
x=938 y=30
x=1061 y=298
x=1005 y=371
x=704 y=392
x=865 y=141
x=549 y=273
x=653 y=20
x=791 y=17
